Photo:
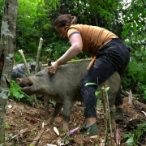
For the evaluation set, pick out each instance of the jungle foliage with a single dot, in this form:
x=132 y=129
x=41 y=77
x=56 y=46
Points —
x=127 y=20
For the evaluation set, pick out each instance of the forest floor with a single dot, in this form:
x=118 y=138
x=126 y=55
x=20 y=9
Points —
x=24 y=122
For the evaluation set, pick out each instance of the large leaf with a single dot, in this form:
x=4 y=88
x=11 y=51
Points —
x=134 y=27
x=128 y=26
x=130 y=141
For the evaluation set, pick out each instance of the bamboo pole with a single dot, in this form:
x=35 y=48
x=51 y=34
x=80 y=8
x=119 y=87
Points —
x=25 y=63
x=72 y=61
x=105 y=115
x=38 y=55
x=109 y=114
x=28 y=72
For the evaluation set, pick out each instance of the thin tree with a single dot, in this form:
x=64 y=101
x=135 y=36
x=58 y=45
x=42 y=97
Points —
x=7 y=47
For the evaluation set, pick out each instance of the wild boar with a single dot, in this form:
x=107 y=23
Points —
x=63 y=87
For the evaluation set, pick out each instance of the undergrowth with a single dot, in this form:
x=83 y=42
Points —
x=134 y=137
x=16 y=94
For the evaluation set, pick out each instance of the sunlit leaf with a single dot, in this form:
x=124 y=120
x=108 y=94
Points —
x=130 y=141
x=106 y=89
x=97 y=92
x=87 y=84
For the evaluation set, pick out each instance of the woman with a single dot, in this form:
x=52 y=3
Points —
x=110 y=55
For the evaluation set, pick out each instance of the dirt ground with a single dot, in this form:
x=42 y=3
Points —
x=24 y=123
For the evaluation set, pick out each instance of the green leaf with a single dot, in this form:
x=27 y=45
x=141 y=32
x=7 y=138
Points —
x=32 y=133
x=11 y=134
x=134 y=27
x=135 y=16
x=139 y=24
x=130 y=141
x=97 y=92
x=87 y=84
x=57 y=3
x=16 y=93
x=7 y=125
x=106 y=89
x=127 y=29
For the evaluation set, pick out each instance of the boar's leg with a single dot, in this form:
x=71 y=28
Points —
x=46 y=106
x=112 y=119
x=112 y=97
x=67 y=106
x=57 y=109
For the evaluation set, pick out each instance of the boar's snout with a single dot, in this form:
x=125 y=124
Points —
x=26 y=85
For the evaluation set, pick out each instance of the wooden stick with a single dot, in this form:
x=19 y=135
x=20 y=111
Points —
x=37 y=65
x=139 y=104
x=25 y=63
x=28 y=72
x=21 y=132
x=35 y=141
x=109 y=114
x=73 y=61
x=38 y=55
x=105 y=115
x=80 y=60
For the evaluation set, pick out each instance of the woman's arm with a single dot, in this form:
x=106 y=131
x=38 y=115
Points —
x=73 y=51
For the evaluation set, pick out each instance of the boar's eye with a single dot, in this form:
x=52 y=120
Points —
x=39 y=75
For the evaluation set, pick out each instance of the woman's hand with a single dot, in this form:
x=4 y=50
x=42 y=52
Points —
x=52 y=69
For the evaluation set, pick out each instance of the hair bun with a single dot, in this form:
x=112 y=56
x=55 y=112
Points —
x=63 y=19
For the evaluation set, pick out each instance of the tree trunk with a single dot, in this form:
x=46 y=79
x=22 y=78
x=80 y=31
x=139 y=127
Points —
x=7 y=47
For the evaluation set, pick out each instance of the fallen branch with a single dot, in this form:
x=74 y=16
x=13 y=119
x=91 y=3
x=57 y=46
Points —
x=139 y=104
x=35 y=141
x=22 y=132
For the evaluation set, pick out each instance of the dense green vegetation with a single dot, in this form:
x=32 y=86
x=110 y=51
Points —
x=35 y=20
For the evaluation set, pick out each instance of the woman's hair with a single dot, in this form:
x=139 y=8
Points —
x=63 y=19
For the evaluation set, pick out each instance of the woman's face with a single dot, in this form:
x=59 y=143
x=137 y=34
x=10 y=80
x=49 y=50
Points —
x=62 y=31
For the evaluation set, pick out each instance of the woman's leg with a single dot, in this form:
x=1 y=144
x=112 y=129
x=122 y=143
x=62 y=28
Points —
x=98 y=70
x=102 y=71
x=114 y=57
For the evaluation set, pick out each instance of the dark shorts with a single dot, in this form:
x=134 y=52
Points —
x=113 y=57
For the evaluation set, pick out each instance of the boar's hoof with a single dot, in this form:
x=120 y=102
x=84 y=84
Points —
x=65 y=126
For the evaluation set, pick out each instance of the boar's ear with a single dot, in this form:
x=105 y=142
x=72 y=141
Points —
x=18 y=80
